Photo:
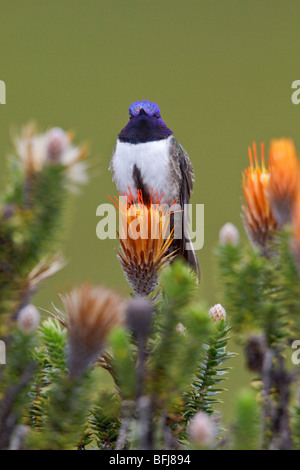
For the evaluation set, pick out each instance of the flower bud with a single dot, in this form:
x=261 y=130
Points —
x=56 y=142
x=255 y=352
x=202 y=430
x=28 y=318
x=139 y=317
x=180 y=329
x=8 y=211
x=217 y=313
x=229 y=234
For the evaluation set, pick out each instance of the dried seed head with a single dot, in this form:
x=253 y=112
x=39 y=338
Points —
x=284 y=179
x=46 y=268
x=229 y=234
x=145 y=242
x=28 y=318
x=91 y=314
x=217 y=313
x=202 y=430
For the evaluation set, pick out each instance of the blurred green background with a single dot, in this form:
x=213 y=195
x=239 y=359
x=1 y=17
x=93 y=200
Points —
x=221 y=72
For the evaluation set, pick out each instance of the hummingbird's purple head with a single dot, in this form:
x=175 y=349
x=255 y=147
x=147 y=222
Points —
x=145 y=124
x=144 y=107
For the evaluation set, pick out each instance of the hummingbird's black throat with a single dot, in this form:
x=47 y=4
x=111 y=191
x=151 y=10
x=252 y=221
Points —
x=143 y=128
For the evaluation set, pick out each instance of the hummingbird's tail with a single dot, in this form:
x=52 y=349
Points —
x=190 y=255
x=184 y=248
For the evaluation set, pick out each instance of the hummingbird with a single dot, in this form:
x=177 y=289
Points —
x=148 y=158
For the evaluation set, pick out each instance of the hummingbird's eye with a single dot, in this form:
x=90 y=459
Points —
x=156 y=115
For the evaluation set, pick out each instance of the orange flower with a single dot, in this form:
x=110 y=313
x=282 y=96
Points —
x=258 y=218
x=284 y=179
x=295 y=242
x=145 y=239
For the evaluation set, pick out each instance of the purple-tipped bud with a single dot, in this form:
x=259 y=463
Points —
x=255 y=351
x=139 y=317
x=8 y=211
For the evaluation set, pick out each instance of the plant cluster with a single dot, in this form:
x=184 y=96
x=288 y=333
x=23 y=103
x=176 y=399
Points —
x=162 y=349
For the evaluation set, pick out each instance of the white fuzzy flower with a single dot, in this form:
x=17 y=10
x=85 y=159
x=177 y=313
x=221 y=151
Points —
x=57 y=142
x=202 y=430
x=54 y=147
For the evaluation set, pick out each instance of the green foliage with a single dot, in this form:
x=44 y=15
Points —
x=29 y=222
x=180 y=352
x=247 y=430
x=174 y=352
x=253 y=292
x=123 y=363
x=296 y=426
x=43 y=217
x=262 y=294
x=53 y=337
x=20 y=347
x=50 y=357
x=210 y=372
x=166 y=369
x=67 y=410
x=288 y=281
x=15 y=382
x=60 y=406
x=104 y=421
x=184 y=341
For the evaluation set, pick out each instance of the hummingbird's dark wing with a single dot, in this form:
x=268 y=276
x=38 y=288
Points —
x=182 y=164
x=140 y=184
